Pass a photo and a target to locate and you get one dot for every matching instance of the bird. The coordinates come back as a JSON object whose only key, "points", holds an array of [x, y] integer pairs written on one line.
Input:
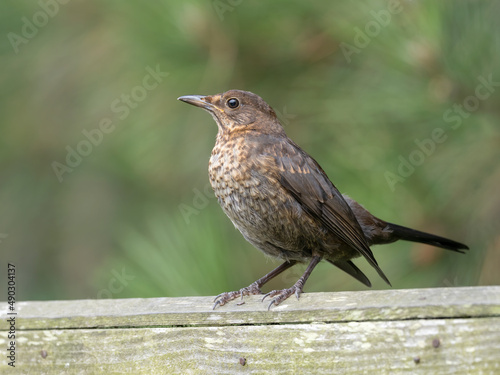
{"points": [[283, 202]]}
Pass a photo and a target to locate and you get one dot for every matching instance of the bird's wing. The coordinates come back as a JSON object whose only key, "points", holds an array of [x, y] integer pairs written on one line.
{"points": [[306, 181]]}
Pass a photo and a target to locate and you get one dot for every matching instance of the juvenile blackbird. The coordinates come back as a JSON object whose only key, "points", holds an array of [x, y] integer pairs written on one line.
{"points": [[282, 201]]}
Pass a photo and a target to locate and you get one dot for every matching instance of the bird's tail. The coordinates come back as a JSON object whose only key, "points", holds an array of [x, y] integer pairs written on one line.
{"points": [[407, 234]]}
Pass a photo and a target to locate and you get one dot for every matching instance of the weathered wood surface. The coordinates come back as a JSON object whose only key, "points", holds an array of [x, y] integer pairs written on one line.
{"points": [[420, 331]]}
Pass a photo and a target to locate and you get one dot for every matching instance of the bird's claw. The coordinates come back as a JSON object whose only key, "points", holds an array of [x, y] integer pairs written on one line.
{"points": [[226, 297], [282, 295]]}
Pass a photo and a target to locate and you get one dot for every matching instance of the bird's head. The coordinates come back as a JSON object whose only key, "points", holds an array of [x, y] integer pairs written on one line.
{"points": [[238, 111]]}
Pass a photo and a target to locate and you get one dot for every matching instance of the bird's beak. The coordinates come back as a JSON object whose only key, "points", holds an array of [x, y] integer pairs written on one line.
{"points": [[198, 101]]}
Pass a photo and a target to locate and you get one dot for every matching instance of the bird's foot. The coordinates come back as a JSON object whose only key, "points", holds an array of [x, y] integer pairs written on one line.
{"points": [[281, 295], [225, 297]]}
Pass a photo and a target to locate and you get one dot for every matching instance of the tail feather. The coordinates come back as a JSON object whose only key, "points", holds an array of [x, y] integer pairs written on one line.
{"points": [[351, 269], [407, 234]]}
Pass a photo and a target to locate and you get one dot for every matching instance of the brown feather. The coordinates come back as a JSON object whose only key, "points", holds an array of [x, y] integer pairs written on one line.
{"points": [[321, 199]]}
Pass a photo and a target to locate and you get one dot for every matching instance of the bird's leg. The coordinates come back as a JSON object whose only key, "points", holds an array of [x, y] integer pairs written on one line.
{"points": [[282, 295], [253, 288]]}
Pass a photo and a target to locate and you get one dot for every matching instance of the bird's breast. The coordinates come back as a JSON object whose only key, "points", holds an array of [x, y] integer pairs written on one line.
{"points": [[246, 183], [238, 178]]}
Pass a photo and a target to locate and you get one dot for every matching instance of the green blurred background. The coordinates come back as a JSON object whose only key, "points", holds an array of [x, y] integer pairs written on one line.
{"points": [[136, 217]]}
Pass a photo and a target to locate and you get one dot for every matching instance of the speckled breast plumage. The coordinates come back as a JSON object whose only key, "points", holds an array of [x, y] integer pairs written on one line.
{"points": [[249, 194]]}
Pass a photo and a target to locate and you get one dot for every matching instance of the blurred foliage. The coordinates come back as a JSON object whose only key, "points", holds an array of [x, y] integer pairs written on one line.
{"points": [[138, 203]]}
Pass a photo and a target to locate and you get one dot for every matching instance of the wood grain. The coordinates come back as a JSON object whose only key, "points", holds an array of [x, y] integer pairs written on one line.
{"points": [[422, 331]]}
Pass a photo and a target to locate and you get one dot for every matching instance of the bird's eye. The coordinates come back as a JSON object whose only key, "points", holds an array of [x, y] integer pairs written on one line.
{"points": [[233, 103]]}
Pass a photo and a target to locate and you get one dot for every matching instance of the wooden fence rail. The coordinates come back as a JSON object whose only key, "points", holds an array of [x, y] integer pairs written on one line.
{"points": [[419, 331]]}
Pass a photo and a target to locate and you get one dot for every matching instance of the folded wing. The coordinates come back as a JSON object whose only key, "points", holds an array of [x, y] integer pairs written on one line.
{"points": [[306, 181]]}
